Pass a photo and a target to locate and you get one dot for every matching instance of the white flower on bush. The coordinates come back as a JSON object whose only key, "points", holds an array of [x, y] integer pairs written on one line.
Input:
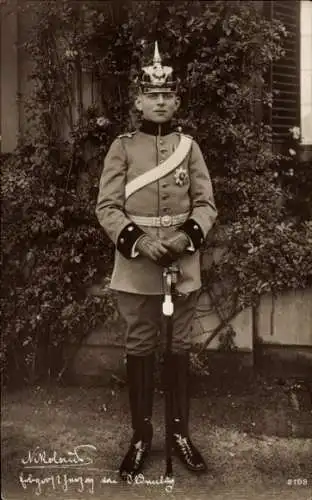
{"points": [[292, 152], [71, 54], [101, 121], [295, 132]]}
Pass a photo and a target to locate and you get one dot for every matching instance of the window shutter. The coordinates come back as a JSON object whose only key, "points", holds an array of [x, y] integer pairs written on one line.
{"points": [[285, 73]]}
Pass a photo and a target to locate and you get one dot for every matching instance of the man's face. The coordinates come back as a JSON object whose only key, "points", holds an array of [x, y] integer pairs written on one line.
{"points": [[158, 107]]}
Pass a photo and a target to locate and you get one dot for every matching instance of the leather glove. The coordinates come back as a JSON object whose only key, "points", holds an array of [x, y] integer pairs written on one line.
{"points": [[151, 248], [176, 244]]}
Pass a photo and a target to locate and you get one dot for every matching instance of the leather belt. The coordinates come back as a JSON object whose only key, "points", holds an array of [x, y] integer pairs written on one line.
{"points": [[163, 221]]}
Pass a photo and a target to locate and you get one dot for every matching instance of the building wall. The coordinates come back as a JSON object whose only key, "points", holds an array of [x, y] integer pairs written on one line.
{"points": [[9, 82], [24, 67], [286, 319]]}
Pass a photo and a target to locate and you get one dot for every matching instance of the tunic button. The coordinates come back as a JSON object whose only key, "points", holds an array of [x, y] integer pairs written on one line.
{"points": [[130, 228], [164, 185], [122, 240], [195, 226], [165, 196]]}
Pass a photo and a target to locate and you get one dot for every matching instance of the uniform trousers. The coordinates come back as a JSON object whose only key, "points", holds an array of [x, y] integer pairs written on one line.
{"points": [[144, 321]]}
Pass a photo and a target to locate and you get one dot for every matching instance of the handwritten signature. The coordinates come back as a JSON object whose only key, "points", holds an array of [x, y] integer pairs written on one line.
{"points": [[39, 458], [79, 456]]}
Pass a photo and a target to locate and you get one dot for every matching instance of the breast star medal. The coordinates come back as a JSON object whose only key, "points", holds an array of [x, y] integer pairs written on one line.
{"points": [[181, 176]]}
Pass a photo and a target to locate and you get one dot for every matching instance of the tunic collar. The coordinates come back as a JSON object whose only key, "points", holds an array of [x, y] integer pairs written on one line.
{"points": [[153, 128]]}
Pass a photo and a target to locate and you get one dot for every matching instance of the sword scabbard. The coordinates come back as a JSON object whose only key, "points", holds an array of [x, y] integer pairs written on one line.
{"points": [[170, 278]]}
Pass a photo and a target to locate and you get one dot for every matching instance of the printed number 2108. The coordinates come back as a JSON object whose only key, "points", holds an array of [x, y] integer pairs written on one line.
{"points": [[297, 482]]}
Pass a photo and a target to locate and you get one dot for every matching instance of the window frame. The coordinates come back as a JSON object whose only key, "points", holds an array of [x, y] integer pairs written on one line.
{"points": [[304, 145]]}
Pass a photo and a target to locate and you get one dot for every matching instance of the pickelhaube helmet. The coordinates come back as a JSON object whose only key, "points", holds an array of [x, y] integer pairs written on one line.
{"points": [[157, 78]]}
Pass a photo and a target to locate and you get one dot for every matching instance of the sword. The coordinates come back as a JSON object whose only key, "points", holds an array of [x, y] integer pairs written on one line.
{"points": [[170, 275]]}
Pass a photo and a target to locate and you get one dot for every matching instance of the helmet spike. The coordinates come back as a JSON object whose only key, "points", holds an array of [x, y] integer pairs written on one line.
{"points": [[157, 58]]}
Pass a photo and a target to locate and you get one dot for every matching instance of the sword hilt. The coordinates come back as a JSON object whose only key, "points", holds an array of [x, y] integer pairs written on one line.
{"points": [[170, 275]]}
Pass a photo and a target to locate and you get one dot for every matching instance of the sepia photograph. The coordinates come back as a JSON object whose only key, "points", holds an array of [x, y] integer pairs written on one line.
{"points": [[156, 241]]}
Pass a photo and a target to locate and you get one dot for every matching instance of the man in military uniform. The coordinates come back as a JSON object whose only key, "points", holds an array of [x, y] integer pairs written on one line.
{"points": [[156, 204]]}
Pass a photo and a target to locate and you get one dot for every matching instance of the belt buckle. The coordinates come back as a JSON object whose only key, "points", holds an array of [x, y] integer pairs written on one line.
{"points": [[166, 220]]}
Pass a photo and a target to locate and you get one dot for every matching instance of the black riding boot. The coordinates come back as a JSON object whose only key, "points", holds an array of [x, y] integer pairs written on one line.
{"points": [[182, 444], [140, 372]]}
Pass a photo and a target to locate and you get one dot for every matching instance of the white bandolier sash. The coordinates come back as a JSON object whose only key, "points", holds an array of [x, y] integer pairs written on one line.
{"points": [[162, 169]]}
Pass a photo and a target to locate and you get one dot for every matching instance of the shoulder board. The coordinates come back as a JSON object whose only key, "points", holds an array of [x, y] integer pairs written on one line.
{"points": [[127, 134], [185, 135], [180, 132]]}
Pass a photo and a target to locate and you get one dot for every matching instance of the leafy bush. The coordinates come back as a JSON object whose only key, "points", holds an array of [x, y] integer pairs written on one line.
{"points": [[54, 249]]}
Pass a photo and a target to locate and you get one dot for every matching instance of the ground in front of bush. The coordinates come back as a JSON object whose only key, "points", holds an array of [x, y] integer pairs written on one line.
{"points": [[256, 440]]}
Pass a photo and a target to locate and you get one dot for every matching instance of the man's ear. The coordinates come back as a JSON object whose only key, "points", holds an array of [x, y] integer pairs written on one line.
{"points": [[138, 103], [177, 102]]}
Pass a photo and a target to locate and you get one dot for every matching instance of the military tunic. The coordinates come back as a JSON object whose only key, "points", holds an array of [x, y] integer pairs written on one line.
{"points": [[185, 190]]}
